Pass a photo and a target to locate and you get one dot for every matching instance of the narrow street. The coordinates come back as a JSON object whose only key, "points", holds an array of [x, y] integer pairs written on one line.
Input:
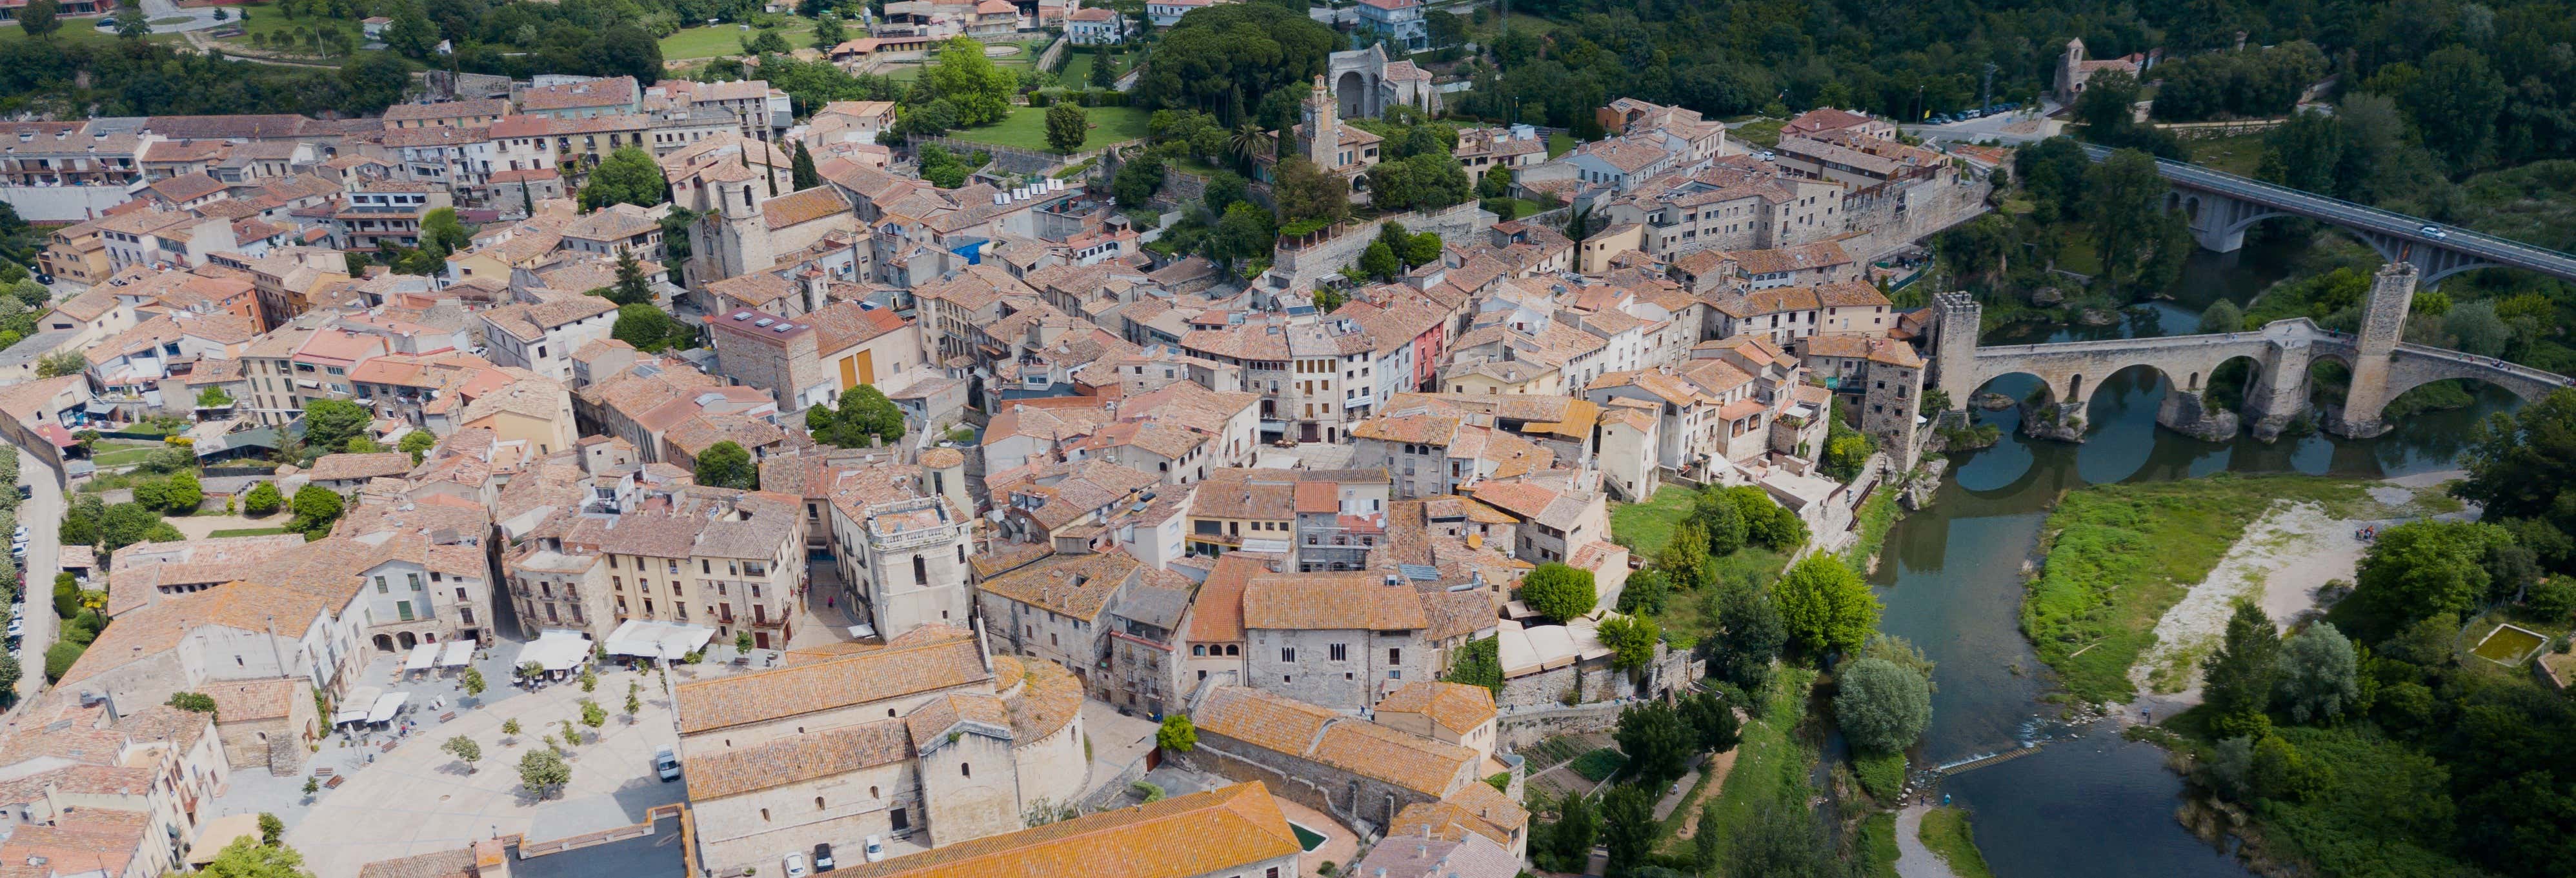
{"points": [[41, 512]]}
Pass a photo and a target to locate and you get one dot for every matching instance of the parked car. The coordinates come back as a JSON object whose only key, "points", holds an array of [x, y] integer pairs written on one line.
{"points": [[875, 849], [822, 857], [666, 764], [796, 867]]}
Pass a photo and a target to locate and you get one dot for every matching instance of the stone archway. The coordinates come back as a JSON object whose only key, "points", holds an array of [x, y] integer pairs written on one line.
{"points": [[384, 643], [1355, 94]]}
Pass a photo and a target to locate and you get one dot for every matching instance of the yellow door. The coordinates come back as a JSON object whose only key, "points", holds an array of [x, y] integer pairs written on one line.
{"points": [[849, 378], [867, 369]]}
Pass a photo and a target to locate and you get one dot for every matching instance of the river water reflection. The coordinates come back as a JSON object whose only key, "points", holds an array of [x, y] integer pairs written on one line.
{"points": [[2090, 803]]}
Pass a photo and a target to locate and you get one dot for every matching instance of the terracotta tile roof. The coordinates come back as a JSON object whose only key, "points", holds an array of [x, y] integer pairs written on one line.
{"points": [[1284, 725], [931, 722], [1271, 722], [244, 700], [1456, 707], [1199, 834], [812, 756], [803, 207], [893, 672], [159, 627], [1331, 601], [1049, 697], [339, 467], [1073, 585]]}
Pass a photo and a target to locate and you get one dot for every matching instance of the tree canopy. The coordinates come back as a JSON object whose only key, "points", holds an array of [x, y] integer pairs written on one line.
{"points": [[628, 176], [727, 465], [1824, 606], [1559, 592], [1882, 706]]}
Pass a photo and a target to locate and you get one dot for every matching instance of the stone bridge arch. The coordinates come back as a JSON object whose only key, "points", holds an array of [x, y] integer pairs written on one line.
{"points": [[2413, 366]]}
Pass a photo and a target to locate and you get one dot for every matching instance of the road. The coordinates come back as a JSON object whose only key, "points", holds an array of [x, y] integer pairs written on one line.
{"points": [[2362, 217], [2006, 127], [40, 512]]}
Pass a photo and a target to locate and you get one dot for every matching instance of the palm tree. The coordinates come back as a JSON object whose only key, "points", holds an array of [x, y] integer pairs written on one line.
{"points": [[1246, 142]]}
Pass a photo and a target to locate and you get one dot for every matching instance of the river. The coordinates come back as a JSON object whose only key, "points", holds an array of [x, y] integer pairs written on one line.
{"points": [[2089, 803]]}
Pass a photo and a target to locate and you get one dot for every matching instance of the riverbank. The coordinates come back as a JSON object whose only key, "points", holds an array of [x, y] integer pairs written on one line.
{"points": [[1770, 762], [2114, 558], [2291, 562]]}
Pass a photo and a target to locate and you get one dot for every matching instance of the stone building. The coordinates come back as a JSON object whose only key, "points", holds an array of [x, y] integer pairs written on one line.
{"points": [[1235, 832], [1054, 608], [1362, 773], [266, 723], [926, 736], [1338, 640]]}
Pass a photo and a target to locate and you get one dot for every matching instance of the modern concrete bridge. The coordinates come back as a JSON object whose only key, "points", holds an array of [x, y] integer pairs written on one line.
{"points": [[2281, 352], [2221, 206]]}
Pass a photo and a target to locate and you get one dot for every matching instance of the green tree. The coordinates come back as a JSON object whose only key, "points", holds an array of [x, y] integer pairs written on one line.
{"points": [[417, 444], [328, 423], [59, 658], [316, 507], [765, 42], [1712, 721], [126, 524], [473, 682], [1066, 126], [828, 33], [246, 858], [1307, 193], [2303, 153], [2238, 678], [1645, 592], [634, 700], [969, 81], [1559, 592], [1824, 605], [411, 33], [1378, 262], [182, 493], [1177, 735], [214, 397], [801, 169], [39, 18], [1881, 706], [649, 328], [1781, 840], [263, 499], [441, 234], [1104, 70], [542, 773], [2424, 568], [61, 363], [2222, 316], [1137, 181], [2319, 676], [632, 287], [1628, 827], [726, 465], [628, 176], [2123, 195], [194, 702], [133, 22], [1658, 743], [1720, 518], [374, 81], [1767, 523], [465, 751], [592, 714], [1631, 640], [1752, 635], [1245, 232], [2456, 101], [1479, 663], [1570, 839], [271, 830]]}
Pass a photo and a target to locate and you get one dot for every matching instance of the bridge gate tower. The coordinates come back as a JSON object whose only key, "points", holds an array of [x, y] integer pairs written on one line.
{"points": [[2383, 326]]}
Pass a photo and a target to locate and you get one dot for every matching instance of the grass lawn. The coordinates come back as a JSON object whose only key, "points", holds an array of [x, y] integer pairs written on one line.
{"points": [[1877, 515], [1644, 527], [247, 532], [265, 19], [1026, 128], [1077, 66], [1945, 831], [2120, 555], [1599, 765], [1770, 761], [120, 452], [716, 41], [1559, 143], [1878, 845], [77, 31], [2235, 155], [1522, 207], [1764, 133]]}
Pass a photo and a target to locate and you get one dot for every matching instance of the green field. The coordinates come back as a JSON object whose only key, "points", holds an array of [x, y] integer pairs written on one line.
{"points": [[1026, 128], [247, 532], [1077, 66], [1599, 765], [1770, 761], [265, 19], [716, 41], [77, 31], [2119, 555], [1559, 143], [1946, 832], [1764, 133], [111, 453], [1878, 845], [2235, 155]]}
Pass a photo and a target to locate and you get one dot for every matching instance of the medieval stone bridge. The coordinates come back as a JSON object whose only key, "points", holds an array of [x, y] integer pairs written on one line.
{"points": [[2222, 206], [2279, 353]]}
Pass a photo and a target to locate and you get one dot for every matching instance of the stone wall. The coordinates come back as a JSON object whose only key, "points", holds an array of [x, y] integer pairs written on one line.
{"points": [[1518, 730], [1299, 269], [1928, 207], [1365, 804]]}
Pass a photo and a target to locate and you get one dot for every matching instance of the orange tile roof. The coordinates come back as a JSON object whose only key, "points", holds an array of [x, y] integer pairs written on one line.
{"points": [[1310, 601], [1199, 834], [893, 672], [1456, 707]]}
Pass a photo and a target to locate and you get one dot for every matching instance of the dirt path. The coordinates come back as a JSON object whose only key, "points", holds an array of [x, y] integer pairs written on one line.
{"points": [[2281, 563], [1717, 769], [1913, 859]]}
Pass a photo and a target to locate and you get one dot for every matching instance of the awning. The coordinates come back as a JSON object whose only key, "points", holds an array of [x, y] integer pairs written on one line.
{"points": [[457, 653], [386, 705], [354, 708], [643, 639], [556, 650], [422, 657], [219, 832]]}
